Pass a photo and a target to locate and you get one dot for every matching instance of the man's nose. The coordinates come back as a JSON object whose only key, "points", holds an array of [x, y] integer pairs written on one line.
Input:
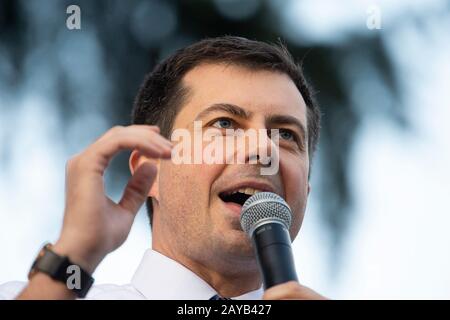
{"points": [[256, 159], [260, 150]]}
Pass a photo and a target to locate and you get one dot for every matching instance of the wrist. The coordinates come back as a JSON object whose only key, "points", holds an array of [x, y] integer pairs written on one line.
{"points": [[85, 259]]}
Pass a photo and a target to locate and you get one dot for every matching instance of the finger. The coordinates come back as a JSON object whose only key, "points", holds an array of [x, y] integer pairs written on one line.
{"points": [[281, 291], [145, 126], [147, 142], [291, 290], [153, 128], [138, 187], [146, 132], [138, 130]]}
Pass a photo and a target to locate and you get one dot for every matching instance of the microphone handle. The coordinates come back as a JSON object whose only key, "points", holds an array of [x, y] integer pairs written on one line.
{"points": [[272, 244]]}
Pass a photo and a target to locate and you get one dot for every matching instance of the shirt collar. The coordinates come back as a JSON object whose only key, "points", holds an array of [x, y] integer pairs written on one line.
{"points": [[160, 278]]}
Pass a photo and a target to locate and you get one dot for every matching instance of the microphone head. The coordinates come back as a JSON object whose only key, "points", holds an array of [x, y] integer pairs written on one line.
{"points": [[262, 208]]}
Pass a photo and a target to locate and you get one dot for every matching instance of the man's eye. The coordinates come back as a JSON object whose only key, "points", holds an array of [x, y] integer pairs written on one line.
{"points": [[286, 135], [223, 123]]}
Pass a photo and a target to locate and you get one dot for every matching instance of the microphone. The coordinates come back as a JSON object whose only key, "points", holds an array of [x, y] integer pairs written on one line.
{"points": [[266, 218]]}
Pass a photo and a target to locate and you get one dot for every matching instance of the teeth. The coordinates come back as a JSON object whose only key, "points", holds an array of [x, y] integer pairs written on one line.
{"points": [[249, 191]]}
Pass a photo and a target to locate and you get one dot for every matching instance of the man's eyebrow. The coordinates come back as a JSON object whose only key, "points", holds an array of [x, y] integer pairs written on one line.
{"points": [[281, 119], [227, 108], [274, 119]]}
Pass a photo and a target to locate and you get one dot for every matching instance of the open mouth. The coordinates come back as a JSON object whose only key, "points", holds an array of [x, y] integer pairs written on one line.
{"points": [[238, 196]]}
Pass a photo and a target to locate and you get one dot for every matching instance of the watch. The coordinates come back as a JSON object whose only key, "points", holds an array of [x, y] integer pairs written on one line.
{"points": [[60, 268]]}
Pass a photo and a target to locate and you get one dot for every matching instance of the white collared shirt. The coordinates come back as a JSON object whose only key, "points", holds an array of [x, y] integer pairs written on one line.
{"points": [[157, 278]]}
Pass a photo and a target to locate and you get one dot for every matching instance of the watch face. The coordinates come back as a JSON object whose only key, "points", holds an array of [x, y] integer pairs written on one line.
{"points": [[56, 266], [41, 253]]}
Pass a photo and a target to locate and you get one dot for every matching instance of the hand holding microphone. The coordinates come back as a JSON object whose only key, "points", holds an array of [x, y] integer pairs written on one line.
{"points": [[266, 218]]}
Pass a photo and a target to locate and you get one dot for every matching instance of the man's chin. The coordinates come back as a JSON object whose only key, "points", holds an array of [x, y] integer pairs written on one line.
{"points": [[237, 243], [232, 239]]}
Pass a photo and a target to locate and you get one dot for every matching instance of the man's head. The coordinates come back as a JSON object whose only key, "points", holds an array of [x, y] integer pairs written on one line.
{"points": [[236, 83]]}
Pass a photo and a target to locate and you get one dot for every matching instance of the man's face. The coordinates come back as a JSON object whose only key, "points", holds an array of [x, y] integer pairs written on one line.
{"points": [[190, 196]]}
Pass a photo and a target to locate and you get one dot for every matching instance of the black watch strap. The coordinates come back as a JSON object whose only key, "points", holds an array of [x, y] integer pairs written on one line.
{"points": [[60, 268]]}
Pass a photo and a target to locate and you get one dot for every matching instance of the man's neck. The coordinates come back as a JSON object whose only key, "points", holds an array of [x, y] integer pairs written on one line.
{"points": [[235, 282]]}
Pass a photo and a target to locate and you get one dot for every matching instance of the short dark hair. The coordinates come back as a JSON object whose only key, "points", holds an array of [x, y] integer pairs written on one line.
{"points": [[162, 94]]}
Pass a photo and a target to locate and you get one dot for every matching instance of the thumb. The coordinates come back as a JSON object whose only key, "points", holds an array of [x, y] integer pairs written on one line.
{"points": [[138, 187]]}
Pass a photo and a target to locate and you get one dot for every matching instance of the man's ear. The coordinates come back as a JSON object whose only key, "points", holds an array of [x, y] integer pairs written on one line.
{"points": [[136, 159]]}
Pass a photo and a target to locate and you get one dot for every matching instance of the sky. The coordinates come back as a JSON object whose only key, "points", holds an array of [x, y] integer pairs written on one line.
{"points": [[397, 245]]}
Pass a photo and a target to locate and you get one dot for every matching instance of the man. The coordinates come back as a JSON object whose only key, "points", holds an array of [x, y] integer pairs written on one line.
{"points": [[199, 250]]}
